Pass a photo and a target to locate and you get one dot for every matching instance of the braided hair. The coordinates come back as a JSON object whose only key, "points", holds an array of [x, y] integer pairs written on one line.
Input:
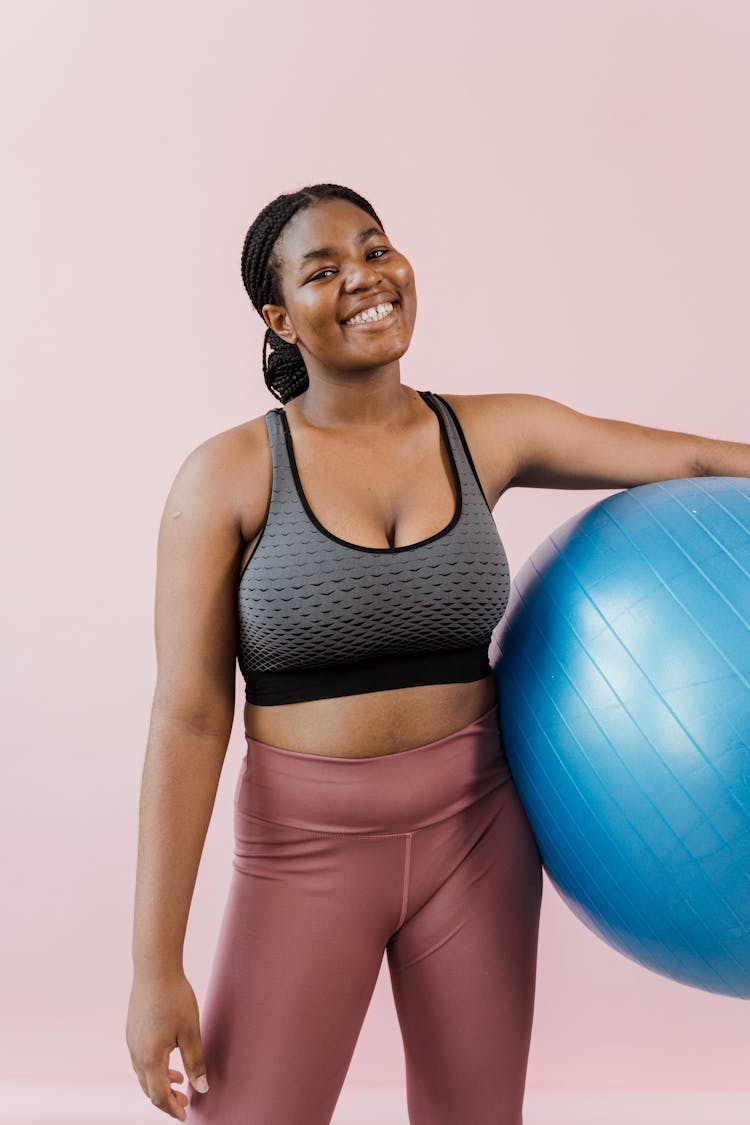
{"points": [[284, 370]]}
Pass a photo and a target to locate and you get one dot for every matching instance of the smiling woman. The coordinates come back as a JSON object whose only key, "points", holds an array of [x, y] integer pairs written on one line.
{"points": [[341, 548], [359, 460], [291, 283]]}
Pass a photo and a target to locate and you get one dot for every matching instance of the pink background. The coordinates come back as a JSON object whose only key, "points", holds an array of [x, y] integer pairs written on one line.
{"points": [[570, 182]]}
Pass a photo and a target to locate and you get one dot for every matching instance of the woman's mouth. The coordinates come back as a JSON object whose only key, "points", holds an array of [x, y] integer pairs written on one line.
{"points": [[375, 315]]}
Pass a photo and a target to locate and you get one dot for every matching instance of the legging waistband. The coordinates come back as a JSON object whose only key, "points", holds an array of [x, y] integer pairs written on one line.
{"points": [[396, 792]]}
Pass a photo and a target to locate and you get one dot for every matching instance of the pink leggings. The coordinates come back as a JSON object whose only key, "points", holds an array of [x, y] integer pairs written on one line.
{"points": [[425, 855]]}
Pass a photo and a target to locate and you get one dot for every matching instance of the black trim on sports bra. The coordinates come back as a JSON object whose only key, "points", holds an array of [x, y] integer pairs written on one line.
{"points": [[464, 443], [381, 550], [410, 669]]}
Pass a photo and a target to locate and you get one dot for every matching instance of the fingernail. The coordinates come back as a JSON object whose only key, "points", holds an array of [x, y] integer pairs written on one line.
{"points": [[201, 1084]]}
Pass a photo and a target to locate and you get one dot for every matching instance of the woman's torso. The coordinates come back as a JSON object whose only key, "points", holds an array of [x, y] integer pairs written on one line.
{"points": [[392, 489]]}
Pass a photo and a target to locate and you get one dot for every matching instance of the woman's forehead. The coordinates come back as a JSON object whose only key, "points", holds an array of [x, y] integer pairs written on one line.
{"points": [[323, 226]]}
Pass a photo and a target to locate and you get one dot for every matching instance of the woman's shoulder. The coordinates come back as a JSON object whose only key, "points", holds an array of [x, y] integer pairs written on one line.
{"points": [[491, 413], [489, 423], [231, 449], [479, 414], [476, 402], [234, 467]]}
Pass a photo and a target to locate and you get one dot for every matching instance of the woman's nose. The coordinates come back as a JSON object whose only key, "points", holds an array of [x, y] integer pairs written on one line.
{"points": [[361, 276]]}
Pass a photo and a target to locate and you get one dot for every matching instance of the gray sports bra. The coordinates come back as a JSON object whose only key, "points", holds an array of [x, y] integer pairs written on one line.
{"points": [[320, 617]]}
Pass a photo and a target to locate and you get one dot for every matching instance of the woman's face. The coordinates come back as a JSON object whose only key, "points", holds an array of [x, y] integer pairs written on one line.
{"points": [[336, 262]]}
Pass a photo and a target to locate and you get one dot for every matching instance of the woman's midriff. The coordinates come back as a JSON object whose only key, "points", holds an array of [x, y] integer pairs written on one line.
{"points": [[374, 723]]}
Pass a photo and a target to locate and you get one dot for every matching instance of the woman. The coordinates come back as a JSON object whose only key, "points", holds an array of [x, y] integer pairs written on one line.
{"points": [[344, 551]]}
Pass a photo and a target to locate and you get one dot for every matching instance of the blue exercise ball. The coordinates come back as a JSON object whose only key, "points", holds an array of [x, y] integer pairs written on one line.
{"points": [[623, 674]]}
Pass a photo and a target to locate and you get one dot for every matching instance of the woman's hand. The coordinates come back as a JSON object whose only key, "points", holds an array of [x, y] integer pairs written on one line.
{"points": [[162, 1015]]}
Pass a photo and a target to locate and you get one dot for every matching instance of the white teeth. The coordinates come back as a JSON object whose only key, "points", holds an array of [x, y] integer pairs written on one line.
{"points": [[376, 313]]}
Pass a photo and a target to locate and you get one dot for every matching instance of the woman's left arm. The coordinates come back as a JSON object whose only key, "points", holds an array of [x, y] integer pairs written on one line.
{"points": [[554, 446]]}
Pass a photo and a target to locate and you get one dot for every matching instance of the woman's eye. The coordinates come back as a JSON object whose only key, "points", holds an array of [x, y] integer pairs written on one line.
{"points": [[377, 250]]}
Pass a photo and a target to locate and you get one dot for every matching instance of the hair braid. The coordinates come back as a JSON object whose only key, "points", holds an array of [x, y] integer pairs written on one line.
{"points": [[284, 369]]}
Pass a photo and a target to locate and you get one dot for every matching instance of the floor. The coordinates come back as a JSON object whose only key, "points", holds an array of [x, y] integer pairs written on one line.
{"points": [[34, 1103]]}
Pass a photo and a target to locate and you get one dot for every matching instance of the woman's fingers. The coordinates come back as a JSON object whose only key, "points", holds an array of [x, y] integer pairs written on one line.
{"points": [[175, 1076], [189, 1042], [160, 1091]]}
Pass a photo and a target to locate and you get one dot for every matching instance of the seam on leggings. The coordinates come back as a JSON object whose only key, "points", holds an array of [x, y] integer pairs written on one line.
{"points": [[314, 832], [407, 870], [371, 835]]}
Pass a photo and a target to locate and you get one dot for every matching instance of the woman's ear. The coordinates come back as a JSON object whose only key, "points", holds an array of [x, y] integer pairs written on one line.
{"points": [[278, 321]]}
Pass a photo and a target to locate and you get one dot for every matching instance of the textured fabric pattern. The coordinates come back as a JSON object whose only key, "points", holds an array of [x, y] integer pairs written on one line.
{"points": [[307, 598]]}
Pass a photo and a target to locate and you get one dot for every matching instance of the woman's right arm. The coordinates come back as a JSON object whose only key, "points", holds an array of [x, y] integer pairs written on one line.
{"points": [[198, 556]]}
